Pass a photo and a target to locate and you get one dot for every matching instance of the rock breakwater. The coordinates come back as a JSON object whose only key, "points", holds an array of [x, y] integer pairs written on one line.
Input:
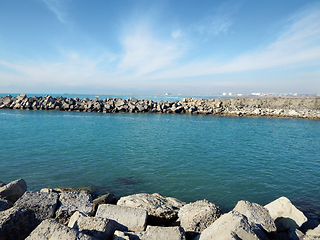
{"points": [[271, 107], [74, 214]]}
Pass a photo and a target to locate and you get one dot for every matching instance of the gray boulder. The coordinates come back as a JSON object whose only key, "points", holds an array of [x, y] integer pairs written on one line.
{"points": [[118, 235], [232, 225], [99, 228], [160, 209], [197, 216], [50, 229], [106, 198], [4, 204], [13, 190], [285, 214], [16, 223], [158, 233], [256, 214], [2, 184], [43, 204], [126, 218], [69, 202], [313, 233]]}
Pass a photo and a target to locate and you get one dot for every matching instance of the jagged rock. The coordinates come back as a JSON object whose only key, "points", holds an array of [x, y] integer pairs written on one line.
{"points": [[126, 218], [4, 204], [197, 216], [73, 201], [17, 223], [158, 233], [160, 209], [256, 214], [118, 235], [43, 204], [106, 198], [2, 184], [13, 190], [313, 233], [285, 214], [50, 229], [99, 228], [232, 225]]}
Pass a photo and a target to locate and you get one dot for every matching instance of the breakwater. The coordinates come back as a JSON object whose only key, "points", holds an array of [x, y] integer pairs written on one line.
{"points": [[271, 107]]}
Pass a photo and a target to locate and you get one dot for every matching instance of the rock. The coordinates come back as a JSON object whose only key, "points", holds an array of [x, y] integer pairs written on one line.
{"points": [[5, 204], [285, 214], [197, 216], [86, 190], [107, 198], [73, 201], [232, 225], [159, 233], [99, 228], [256, 214], [43, 204], [13, 190], [313, 233], [118, 235], [16, 223], [160, 209], [2, 184], [50, 229], [127, 218]]}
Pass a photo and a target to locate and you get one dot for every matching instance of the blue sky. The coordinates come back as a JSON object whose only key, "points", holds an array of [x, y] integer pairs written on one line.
{"points": [[183, 47]]}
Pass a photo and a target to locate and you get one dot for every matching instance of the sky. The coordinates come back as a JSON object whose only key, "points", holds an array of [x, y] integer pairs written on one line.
{"points": [[147, 47]]}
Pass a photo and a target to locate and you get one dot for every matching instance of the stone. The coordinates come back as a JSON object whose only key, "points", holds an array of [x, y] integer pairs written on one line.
{"points": [[13, 190], [160, 233], [232, 225], [17, 223], [285, 214], [197, 216], [51, 229], [106, 198], [256, 214], [118, 235], [42, 204], [314, 232], [126, 218], [73, 201], [99, 228], [5, 204], [2, 184], [160, 209]]}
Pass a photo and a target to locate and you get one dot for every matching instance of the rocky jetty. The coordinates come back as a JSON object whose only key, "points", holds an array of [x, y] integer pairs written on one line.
{"points": [[272, 107], [74, 214]]}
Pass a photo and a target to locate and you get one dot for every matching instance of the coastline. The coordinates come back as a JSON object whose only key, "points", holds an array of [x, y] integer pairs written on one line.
{"points": [[306, 108]]}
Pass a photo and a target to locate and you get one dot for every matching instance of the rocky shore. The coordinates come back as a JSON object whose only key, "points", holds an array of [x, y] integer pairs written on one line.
{"points": [[77, 214], [271, 107]]}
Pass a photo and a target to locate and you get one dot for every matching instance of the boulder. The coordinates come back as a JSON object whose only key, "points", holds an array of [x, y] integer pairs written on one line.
{"points": [[285, 214], [118, 235], [73, 201], [2, 184], [50, 229], [232, 225], [313, 233], [126, 218], [160, 209], [43, 204], [256, 214], [4, 204], [159, 233], [99, 228], [17, 223], [107, 198], [197, 216], [13, 190]]}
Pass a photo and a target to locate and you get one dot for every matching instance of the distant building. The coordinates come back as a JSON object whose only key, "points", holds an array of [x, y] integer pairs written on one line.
{"points": [[230, 94], [239, 94], [224, 94]]}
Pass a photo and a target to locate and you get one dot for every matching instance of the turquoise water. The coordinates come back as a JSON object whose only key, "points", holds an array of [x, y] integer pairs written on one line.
{"points": [[190, 157]]}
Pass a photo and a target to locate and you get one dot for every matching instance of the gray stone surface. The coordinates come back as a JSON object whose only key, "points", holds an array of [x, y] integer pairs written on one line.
{"points": [[159, 233], [43, 204], [232, 225], [106, 198], [126, 218], [197, 216], [2, 184], [285, 214], [17, 223], [99, 228], [13, 190], [256, 214], [118, 235], [4, 204], [50, 229], [160, 209], [73, 201]]}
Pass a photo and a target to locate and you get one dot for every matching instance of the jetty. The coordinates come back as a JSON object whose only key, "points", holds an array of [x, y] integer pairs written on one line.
{"points": [[305, 107]]}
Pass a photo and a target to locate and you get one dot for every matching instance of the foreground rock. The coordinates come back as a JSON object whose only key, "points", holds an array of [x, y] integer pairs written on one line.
{"points": [[161, 210], [14, 190], [273, 107], [285, 214]]}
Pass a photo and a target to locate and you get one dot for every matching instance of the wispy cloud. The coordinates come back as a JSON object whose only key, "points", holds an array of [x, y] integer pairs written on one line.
{"points": [[58, 7]]}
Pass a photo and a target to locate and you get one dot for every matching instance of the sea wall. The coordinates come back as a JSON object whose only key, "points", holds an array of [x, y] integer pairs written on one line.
{"points": [[273, 107], [65, 213]]}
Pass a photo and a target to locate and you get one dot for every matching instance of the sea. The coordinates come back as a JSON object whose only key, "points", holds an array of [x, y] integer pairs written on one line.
{"points": [[189, 157]]}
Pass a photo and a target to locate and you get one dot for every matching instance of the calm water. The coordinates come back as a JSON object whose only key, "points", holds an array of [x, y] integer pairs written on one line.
{"points": [[222, 159]]}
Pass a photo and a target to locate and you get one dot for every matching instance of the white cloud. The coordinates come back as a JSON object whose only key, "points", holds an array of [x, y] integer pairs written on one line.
{"points": [[58, 7], [176, 34]]}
